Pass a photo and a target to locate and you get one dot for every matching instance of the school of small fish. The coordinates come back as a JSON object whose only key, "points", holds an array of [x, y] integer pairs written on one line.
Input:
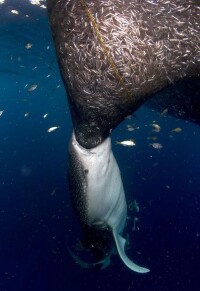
{"points": [[39, 3], [155, 128]]}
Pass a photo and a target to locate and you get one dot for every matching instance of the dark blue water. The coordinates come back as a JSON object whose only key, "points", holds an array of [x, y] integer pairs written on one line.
{"points": [[37, 222]]}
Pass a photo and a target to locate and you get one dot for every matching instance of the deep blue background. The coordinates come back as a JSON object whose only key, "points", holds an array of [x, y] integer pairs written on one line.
{"points": [[37, 222]]}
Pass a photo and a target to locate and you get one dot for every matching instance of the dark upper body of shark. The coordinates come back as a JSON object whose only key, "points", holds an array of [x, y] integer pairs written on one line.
{"points": [[120, 53], [113, 56]]}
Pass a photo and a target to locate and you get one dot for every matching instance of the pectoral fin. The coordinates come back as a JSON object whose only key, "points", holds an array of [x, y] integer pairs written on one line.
{"points": [[120, 244], [104, 263]]}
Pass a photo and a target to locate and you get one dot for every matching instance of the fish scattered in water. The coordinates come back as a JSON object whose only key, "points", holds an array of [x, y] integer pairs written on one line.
{"points": [[155, 164], [53, 192], [156, 127], [53, 128], [164, 112], [135, 227], [131, 127], [152, 138], [38, 3], [156, 145], [177, 129], [32, 87], [128, 143], [14, 11], [28, 45], [34, 68], [26, 114], [1, 112], [134, 206], [45, 115]]}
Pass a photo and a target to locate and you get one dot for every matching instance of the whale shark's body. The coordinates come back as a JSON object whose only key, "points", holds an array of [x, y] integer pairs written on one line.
{"points": [[98, 193], [113, 56]]}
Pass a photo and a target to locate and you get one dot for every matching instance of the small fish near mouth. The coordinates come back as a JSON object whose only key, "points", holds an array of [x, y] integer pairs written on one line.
{"points": [[128, 143]]}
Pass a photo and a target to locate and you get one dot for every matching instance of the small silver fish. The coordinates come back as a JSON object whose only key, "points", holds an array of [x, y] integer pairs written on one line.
{"points": [[156, 145], [164, 112], [52, 128], [32, 87], [14, 11], [130, 129], [156, 127], [45, 115], [28, 45], [177, 129], [126, 142]]}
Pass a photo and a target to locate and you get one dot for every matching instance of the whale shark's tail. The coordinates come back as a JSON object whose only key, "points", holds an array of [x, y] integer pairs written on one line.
{"points": [[120, 244]]}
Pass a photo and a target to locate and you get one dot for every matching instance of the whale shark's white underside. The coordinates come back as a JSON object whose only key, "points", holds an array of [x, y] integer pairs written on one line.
{"points": [[105, 203]]}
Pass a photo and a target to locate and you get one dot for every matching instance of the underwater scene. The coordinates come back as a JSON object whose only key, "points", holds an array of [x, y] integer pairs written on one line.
{"points": [[158, 154]]}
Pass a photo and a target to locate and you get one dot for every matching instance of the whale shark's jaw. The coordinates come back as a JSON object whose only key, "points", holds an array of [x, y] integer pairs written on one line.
{"points": [[98, 193]]}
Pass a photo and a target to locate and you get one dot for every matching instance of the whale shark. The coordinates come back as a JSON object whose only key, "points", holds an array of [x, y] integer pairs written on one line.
{"points": [[114, 56]]}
